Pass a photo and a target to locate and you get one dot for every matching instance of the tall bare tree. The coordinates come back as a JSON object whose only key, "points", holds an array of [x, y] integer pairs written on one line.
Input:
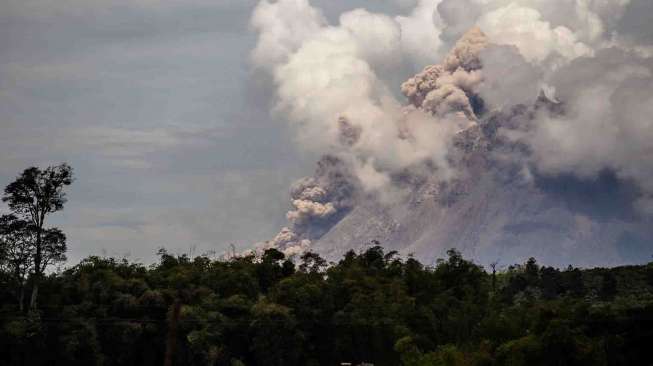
{"points": [[494, 265], [33, 196]]}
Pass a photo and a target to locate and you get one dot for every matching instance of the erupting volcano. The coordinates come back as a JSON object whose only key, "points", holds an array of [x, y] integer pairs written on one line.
{"points": [[491, 151]]}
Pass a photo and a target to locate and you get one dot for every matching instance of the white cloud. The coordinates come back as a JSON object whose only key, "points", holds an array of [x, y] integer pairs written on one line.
{"points": [[420, 33], [535, 38], [283, 26]]}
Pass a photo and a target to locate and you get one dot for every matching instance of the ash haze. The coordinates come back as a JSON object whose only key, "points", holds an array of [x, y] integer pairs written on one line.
{"points": [[188, 121]]}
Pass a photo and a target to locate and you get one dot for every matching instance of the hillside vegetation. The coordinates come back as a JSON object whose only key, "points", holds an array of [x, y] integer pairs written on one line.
{"points": [[369, 307]]}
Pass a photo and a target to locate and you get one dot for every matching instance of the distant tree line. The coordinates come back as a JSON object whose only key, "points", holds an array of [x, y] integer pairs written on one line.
{"points": [[371, 306]]}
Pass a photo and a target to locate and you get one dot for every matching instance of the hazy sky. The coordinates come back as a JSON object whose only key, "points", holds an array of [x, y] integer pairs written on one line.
{"points": [[153, 104]]}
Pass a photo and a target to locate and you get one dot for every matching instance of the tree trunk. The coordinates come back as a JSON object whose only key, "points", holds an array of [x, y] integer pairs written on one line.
{"points": [[38, 256], [35, 292], [21, 297], [171, 343], [20, 284]]}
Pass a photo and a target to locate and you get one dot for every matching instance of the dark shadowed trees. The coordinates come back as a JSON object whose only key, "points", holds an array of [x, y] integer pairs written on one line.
{"points": [[16, 254], [608, 286], [32, 197], [369, 307]]}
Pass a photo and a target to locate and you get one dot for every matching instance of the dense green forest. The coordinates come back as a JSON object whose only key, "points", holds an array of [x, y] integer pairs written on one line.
{"points": [[369, 307]]}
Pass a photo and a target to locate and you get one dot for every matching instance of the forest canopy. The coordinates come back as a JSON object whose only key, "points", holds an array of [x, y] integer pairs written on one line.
{"points": [[371, 306]]}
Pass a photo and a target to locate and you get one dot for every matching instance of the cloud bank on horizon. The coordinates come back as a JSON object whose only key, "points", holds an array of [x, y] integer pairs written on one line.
{"points": [[334, 83]]}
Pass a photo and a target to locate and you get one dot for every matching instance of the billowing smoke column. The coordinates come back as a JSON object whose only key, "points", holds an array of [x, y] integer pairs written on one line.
{"points": [[332, 86], [318, 202], [445, 88], [439, 94], [321, 197], [309, 201]]}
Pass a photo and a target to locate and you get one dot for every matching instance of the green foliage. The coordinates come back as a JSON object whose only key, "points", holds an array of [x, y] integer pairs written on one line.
{"points": [[26, 245], [369, 307]]}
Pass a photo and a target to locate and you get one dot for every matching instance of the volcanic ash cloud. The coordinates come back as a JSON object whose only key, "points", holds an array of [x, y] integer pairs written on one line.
{"points": [[333, 84]]}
